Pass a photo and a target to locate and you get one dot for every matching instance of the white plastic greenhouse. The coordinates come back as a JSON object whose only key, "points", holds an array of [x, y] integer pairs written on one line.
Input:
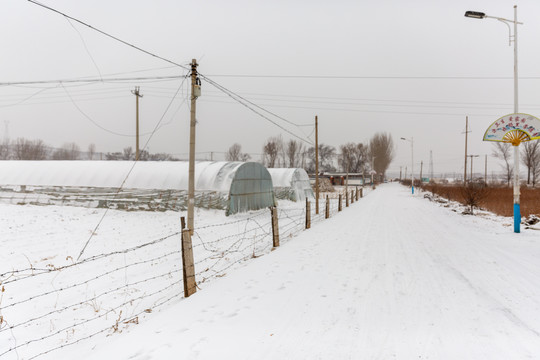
{"points": [[291, 184], [146, 185]]}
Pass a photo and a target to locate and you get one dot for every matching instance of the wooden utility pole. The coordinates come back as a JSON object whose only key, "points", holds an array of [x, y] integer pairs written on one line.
{"points": [[191, 181], [421, 168], [465, 167], [188, 264], [137, 96], [400, 173], [316, 165]]}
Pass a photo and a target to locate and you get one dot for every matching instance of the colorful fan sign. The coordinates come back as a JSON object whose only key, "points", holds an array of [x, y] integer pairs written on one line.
{"points": [[514, 129]]}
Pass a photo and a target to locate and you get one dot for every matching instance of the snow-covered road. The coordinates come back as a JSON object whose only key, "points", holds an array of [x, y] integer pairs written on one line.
{"points": [[392, 277]]}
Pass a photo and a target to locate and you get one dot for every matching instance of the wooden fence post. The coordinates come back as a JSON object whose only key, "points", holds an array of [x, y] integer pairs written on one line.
{"points": [[362, 192], [352, 196], [327, 213], [188, 266], [346, 199], [357, 193], [339, 203], [275, 228], [308, 214]]}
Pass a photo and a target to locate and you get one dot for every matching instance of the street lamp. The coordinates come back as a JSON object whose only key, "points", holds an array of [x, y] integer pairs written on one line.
{"points": [[411, 140], [511, 38]]}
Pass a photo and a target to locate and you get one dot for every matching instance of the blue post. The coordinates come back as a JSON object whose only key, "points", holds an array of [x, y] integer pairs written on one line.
{"points": [[412, 187], [517, 218]]}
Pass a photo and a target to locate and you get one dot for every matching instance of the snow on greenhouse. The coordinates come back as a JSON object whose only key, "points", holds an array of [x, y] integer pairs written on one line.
{"points": [[145, 185], [291, 184]]}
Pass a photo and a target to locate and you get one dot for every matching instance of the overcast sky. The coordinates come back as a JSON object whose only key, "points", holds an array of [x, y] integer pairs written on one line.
{"points": [[305, 58]]}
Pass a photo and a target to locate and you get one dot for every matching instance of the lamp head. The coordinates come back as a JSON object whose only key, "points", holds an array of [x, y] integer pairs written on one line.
{"points": [[475, 14]]}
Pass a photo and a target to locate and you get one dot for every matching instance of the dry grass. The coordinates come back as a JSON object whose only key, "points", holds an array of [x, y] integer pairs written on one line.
{"points": [[498, 200]]}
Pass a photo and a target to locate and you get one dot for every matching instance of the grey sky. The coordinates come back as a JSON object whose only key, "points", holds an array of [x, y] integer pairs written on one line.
{"points": [[387, 38]]}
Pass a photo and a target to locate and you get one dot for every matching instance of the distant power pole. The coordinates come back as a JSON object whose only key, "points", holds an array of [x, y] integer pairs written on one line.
{"points": [[485, 171], [465, 167], [472, 156], [430, 164], [137, 96], [421, 168], [316, 165], [400, 173]]}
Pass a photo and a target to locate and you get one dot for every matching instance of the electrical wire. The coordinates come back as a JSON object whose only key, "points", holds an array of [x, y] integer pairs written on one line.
{"points": [[108, 35]]}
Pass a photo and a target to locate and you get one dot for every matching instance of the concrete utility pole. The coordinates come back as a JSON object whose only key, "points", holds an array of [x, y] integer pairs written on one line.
{"points": [[137, 96], [485, 173], [472, 156], [316, 165], [195, 92], [465, 167]]}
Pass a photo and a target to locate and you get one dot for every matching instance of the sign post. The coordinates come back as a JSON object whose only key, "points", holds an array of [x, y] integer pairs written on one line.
{"points": [[514, 129]]}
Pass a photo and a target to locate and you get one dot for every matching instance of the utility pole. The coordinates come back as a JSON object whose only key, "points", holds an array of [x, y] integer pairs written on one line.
{"points": [[421, 168], [465, 167], [316, 165], [405, 173], [472, 156], [137, 96], [485, 172], [430, 164], [195, 93], [400, 173]]}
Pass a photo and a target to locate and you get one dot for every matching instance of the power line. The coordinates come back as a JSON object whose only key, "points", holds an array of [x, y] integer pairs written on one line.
{"points": [[108, 35], [375, 77], [248, 104], [91, 80]]}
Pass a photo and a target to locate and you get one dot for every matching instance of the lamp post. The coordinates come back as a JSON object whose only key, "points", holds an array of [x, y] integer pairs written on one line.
{"points": [[411, 140], [511, 38]]}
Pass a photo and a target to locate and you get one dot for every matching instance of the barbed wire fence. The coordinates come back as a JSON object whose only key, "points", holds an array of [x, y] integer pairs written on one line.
{"points": [[45, 309]]}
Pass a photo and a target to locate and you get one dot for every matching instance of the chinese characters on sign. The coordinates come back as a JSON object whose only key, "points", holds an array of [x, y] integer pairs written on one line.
{"points": [[528, 124]]}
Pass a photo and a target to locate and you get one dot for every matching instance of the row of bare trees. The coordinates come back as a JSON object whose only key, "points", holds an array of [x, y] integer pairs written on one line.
{"points": [[25, 149], [352, 157]]}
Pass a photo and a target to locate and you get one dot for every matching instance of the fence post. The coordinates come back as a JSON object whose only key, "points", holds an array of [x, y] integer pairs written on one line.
{"points": [[339, 203], [346, 199], [327, 212], [188, 266], [275, 228], [308, 214], [352, 196], [362, 192], [357, 193]]}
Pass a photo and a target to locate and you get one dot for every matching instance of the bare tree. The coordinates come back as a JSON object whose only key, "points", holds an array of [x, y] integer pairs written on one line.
{"points": [[69, 151], [235, 153], [530, 156], [502, 151], [381, 146], [271, 151], [128, 154], [327, 153], [24, 149], [91, 151], [473, 194], [294, 151], [5, 150], [353, 157]]}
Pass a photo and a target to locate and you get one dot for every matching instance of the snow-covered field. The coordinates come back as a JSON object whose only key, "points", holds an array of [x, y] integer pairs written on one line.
{"points": [[130, 268], [394, 276]]}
